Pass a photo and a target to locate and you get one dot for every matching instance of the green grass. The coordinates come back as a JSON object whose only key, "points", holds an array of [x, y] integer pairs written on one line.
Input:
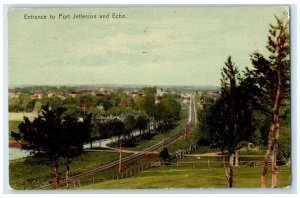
{"points": [[13, 126], [19, 116], [29, 173], [188, 177], [14, 119], [182, 143]]}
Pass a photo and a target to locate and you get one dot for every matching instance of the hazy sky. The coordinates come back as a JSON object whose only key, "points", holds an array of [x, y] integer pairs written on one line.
{"points": [[151, 46]]}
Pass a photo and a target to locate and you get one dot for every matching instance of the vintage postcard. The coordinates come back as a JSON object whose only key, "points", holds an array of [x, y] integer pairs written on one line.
{"points": [[153, 97]]}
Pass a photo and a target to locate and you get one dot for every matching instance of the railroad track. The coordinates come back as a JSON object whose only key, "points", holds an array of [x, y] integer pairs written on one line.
{"points": [[131, 157]]}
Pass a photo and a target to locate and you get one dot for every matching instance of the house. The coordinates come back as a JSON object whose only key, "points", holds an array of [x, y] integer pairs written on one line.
{"points": [[37, 95], [58, 94], [74, 94]]}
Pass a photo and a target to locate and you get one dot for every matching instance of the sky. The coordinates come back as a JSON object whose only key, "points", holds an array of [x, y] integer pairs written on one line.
{"points": [[184, 46]]}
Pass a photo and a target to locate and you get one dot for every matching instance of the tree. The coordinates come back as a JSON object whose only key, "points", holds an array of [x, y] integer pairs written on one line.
{"points": [[22, 103], [164, 154], [146, 103], [166, 111], [203, 126], [41, 136], [228, 120], [75, 134], [171, 109], [130, 124], [116, 127], [273, 80], [142, 123], [54, 136]]}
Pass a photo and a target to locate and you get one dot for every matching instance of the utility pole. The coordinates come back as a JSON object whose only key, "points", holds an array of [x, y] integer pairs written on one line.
{"points": [[185, 130], [120, 158]]}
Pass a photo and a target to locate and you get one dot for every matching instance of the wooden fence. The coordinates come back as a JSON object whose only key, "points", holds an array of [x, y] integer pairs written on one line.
{"points": [[129, 172]]}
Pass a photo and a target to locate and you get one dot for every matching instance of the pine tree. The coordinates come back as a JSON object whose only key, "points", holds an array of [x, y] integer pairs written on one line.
{"points": [[229, 119], [54, 136], [273, 79]]}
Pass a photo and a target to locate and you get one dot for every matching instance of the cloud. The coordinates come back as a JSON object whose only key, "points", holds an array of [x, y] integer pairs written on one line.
{"points": [[151, 46]]}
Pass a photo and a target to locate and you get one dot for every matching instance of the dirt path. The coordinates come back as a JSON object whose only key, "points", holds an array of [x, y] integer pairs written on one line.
{"points": [[213, 154]]}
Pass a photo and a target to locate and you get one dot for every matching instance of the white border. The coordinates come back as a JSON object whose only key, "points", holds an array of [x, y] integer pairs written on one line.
{"points": [[62, 3]]}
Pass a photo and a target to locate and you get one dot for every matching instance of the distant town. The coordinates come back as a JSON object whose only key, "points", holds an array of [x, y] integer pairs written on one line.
{"points": [[41, 93]]}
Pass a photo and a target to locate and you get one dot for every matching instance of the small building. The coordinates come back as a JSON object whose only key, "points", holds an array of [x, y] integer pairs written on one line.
{"points": [[37, 95], [74, 94]]}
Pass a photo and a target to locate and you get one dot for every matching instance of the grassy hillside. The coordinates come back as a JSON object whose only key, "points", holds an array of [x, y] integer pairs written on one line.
{"points": [[188, 177], [29, 173]]}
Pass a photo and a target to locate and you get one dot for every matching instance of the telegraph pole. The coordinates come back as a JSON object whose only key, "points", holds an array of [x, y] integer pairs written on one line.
{"points": [[120, 158], [185, 130]]}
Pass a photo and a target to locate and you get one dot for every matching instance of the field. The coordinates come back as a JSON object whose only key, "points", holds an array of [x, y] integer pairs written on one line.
{"points": [[187, 177], [187, 172], [29, 173], [14, 119], [19, 116]]}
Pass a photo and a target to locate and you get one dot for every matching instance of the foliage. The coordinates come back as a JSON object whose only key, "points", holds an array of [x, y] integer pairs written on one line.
{"points": [[164, 154], [129, 124], [273, 81], [142, 123], [53, 135], [111, 128], [23, 103], [228, 120], [166, 112]]}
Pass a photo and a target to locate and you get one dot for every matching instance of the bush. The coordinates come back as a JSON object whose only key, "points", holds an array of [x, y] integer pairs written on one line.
{"points": [[147, 136], [164, 154]]}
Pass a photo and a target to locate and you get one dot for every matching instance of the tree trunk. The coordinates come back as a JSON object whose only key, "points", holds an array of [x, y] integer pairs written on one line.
{"points": [[68, 174], [236, 158], [225, 166], [265, 169], [230, 179], [56, 173], [275, 148], [274, 127], [91, 144]]}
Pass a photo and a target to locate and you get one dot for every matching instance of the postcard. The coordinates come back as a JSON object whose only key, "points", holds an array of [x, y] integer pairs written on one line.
{"points": [[149, 97]]}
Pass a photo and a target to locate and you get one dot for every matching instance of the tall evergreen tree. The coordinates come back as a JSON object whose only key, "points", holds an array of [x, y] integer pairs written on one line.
{"points": [[75, 134], [273, 79], [229, 120], [53, 136]]}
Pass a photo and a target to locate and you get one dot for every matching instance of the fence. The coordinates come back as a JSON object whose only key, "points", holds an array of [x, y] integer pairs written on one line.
{"points": [[213, 162], [181, 152], [135, 168], [128, 172]]}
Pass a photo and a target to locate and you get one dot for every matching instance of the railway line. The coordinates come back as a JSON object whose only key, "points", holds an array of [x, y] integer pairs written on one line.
{"points": [[181, 132]]}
